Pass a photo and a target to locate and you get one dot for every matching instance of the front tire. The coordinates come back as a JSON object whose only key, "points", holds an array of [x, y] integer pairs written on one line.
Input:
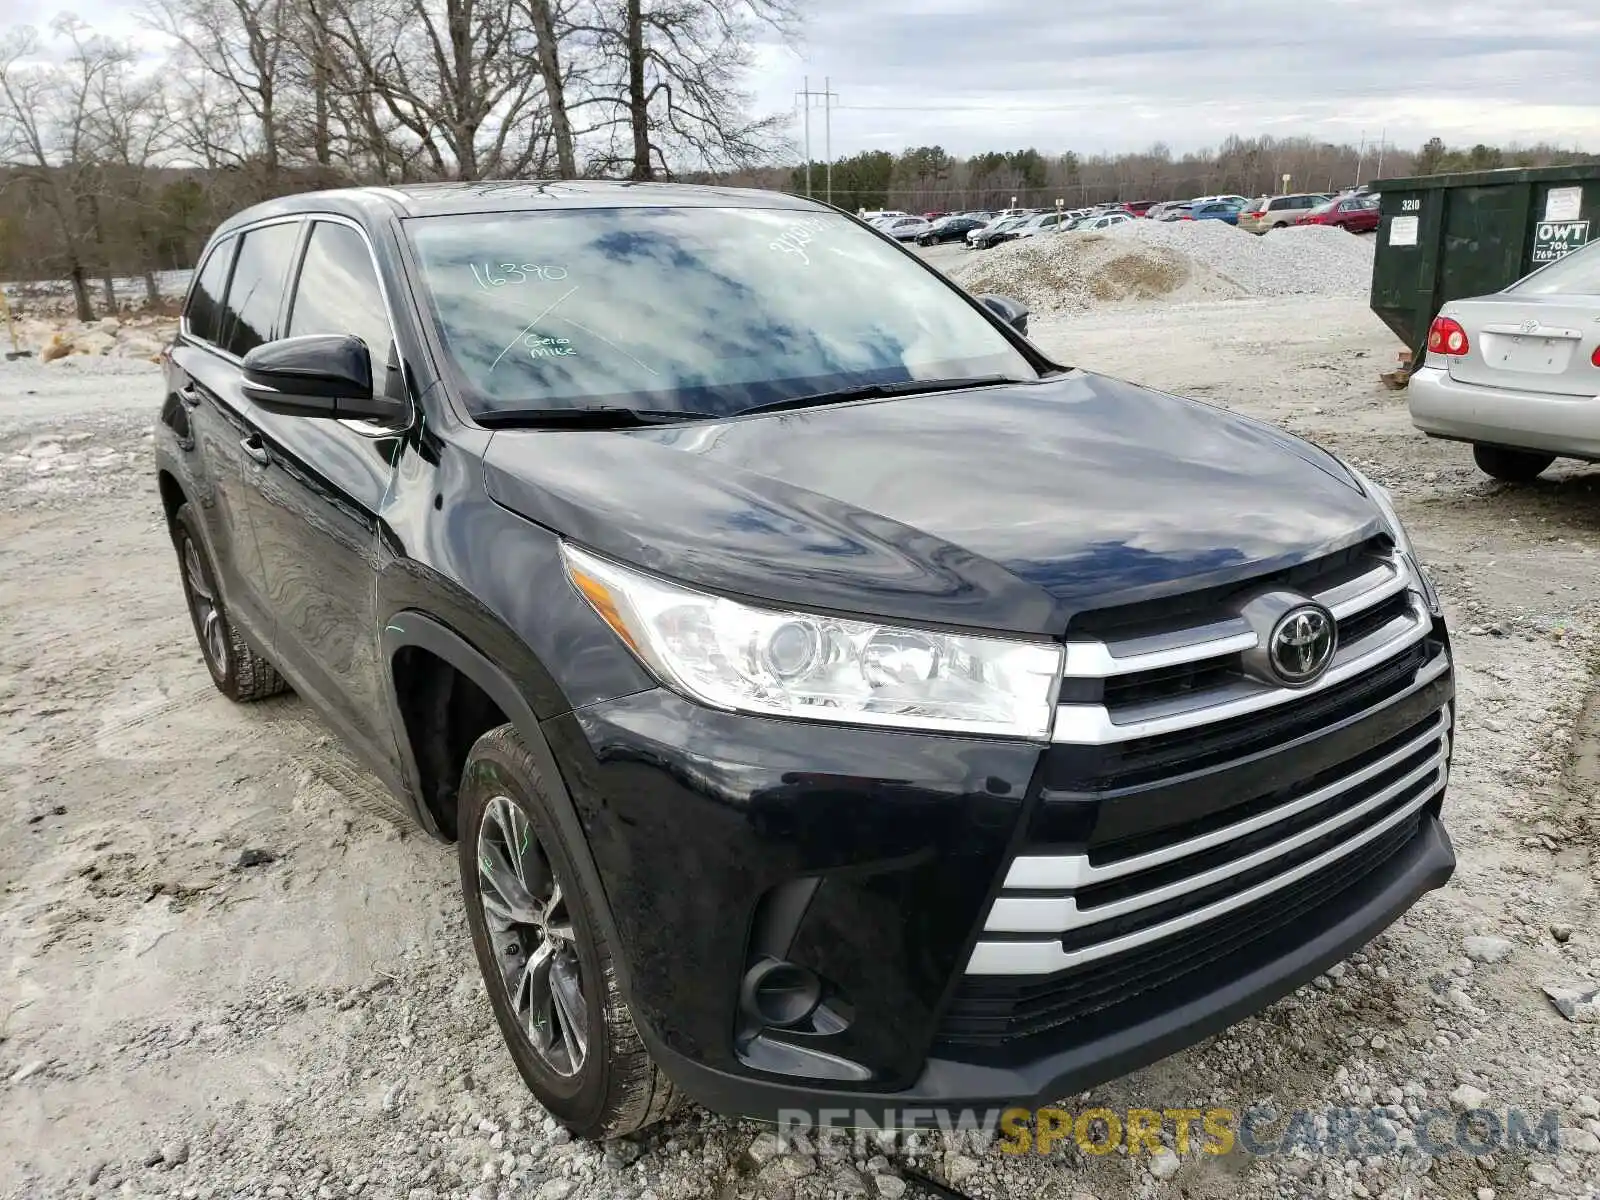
{"points": [[1513, 466], [544, 959], [241, 674]]}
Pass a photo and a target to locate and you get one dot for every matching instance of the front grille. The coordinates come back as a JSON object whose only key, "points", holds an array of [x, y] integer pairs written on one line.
{"points": [[1335, 773], [1144, 759], [991, 1011]]}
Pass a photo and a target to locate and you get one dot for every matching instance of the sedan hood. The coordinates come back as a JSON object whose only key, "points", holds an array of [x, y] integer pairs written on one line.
{"points": [[1007, 508]]}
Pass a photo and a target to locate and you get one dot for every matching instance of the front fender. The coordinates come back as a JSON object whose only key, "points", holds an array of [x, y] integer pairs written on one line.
{"points": [[411, 628]]}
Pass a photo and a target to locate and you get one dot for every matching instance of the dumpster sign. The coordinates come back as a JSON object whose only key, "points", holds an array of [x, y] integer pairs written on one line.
{"points": [[1557, 239]]}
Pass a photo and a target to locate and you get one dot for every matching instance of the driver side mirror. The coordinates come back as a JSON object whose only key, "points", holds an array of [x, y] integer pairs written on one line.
{"points": [[1013, 312], [318, 375]]}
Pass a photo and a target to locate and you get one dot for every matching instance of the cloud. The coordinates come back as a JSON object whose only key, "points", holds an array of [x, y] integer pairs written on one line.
{"points": [[1120, 74], [1110, 75]]}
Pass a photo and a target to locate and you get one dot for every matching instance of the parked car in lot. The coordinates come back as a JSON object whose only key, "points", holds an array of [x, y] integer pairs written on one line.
{"points": [[1517, 372], [1139, 208], [1226, 211], [1103, 221], [995, 231], [1278, 212], [949, 229], [904, 229], [833, 700], [1041, 223], [1357, 214]]}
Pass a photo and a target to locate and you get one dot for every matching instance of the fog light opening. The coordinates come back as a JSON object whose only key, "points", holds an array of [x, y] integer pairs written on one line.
{"points": [[780, 994]]}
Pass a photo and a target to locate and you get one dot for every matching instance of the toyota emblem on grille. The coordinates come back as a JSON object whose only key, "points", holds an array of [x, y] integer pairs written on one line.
{"points": [[1302, 644]]}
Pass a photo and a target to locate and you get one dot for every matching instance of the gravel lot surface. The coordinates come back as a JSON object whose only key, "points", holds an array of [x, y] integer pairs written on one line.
{"points": [[220, 977]]}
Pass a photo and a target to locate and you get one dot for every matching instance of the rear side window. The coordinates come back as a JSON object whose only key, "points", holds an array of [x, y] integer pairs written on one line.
{"points": [[203, 314], [338, 290], [256, 290]]}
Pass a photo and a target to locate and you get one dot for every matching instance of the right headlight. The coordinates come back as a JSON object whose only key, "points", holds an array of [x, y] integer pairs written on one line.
{"points": [[743, 658]]}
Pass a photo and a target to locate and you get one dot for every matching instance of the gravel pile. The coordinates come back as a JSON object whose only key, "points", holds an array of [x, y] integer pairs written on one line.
{"points": [[1302, 260], [1173, 262]]}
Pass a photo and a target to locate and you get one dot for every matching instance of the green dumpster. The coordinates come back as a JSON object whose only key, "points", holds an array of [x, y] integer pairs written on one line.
{"points": [[1442, 237]]}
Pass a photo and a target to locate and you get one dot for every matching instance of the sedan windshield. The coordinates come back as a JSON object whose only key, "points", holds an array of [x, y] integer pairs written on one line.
{"points": [[692, 310]]}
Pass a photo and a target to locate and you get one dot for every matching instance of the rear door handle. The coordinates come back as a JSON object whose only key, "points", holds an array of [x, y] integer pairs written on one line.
{"points": [[254, 447]]}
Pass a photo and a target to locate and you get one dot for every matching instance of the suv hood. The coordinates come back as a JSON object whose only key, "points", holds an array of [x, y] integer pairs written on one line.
{"points": [[1007, 508]]}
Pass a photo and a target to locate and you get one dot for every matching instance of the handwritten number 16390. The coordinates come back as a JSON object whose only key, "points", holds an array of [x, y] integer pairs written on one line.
{"points": [[498, 275]]}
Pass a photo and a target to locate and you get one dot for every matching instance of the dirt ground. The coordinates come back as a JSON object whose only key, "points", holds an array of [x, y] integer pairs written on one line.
{"points": [[175, 1023]]}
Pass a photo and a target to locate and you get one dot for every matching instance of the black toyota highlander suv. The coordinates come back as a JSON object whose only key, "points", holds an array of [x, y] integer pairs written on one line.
{"points": [[836, 702]]}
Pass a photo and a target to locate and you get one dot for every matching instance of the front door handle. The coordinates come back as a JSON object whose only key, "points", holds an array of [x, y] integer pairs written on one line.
{"points": [[254, 447]]}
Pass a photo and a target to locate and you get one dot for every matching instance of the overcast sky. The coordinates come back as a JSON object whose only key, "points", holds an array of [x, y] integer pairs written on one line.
{"points": [[1092, 75]]}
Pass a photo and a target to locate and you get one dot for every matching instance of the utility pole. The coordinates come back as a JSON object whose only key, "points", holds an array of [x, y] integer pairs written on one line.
{"points": [[827, 97], [1361, 157], [1383, 137], [805, 99], [827, 131]]}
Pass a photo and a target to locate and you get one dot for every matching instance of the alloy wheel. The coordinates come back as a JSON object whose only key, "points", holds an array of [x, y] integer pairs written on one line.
{"points": [[530, 927], [203, 601]]}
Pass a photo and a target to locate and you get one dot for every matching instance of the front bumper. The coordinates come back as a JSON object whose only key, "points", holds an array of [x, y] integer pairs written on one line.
{"points": [[1294, 958], [1469, 412], [873, 858]]}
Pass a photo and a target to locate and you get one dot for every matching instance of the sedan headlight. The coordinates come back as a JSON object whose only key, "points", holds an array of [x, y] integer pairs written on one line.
{"points": [[1402, 540], [792, 664]]}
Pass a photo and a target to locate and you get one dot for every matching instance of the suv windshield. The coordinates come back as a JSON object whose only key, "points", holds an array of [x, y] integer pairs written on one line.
{"points": [[695, 310]]}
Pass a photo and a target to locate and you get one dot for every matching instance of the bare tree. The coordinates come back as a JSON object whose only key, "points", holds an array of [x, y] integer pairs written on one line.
{"points": [[127, 125], [674, 68], [459, 79], [244, 44], [547, 34], [47, 139]]}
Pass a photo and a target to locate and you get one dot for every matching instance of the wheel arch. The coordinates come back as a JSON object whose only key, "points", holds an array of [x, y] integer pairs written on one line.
{"points": [[413, 629], [173, 496]]}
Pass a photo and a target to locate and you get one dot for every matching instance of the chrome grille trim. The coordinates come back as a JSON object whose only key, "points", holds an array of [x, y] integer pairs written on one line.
{"points": [[1089, 659], [1361, 593], [1098, 660], [1092, 724], [1061, 914], [1071, 871], [1046, 957]]}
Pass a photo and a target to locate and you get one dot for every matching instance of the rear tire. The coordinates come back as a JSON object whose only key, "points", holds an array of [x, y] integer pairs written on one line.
{"points": [[1513, 466], [241, 674], [548, 970]]}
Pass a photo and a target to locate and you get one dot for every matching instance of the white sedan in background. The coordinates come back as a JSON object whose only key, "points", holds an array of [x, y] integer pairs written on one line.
{"points": [[1517, 373], [1104, 222], [904, 229]]}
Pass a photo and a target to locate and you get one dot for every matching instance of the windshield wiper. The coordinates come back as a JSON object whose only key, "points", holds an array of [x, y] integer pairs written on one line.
{"points": [[602, 417], [873, 391]]}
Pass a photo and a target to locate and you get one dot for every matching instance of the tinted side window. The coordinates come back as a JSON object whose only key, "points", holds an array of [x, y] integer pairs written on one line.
{"points": [[262, 268], [338, 290], [204, 310]]}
